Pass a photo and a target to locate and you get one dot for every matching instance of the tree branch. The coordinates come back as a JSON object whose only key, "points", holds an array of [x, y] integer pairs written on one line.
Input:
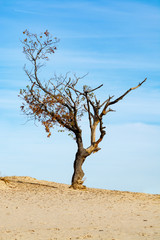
{"points": [[89, 91], [89, 111], [121, 97]]}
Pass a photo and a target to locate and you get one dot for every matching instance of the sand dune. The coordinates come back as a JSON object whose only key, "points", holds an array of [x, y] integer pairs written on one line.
{"points": [[41, 210]]}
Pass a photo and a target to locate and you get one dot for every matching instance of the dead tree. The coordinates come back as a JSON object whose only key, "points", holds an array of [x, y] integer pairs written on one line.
{"points": [[59, 101]]}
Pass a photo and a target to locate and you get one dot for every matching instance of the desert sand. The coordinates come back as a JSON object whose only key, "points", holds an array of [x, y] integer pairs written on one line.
{"points": [[31, 209]]}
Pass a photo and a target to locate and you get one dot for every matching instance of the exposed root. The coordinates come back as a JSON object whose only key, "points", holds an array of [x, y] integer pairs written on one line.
{"points": [[4, 179], [79, 185]]}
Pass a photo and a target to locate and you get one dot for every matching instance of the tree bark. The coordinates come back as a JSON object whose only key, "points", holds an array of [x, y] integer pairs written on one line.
{"points": [[77, 178]]}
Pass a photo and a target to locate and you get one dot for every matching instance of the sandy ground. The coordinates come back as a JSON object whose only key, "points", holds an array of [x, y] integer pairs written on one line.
{"points": [[41, 210]]}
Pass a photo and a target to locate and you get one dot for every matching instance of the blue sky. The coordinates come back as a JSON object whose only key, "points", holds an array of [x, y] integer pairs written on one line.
{"points": [[118, 44]]}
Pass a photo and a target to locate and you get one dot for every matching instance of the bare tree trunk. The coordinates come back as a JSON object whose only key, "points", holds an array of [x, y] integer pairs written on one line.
{"points": [[77, 178]]}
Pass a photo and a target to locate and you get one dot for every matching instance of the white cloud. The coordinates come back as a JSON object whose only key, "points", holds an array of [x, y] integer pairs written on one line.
{"points": [[11, 57], [104, 61], [9, 99], [115, 7]]}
